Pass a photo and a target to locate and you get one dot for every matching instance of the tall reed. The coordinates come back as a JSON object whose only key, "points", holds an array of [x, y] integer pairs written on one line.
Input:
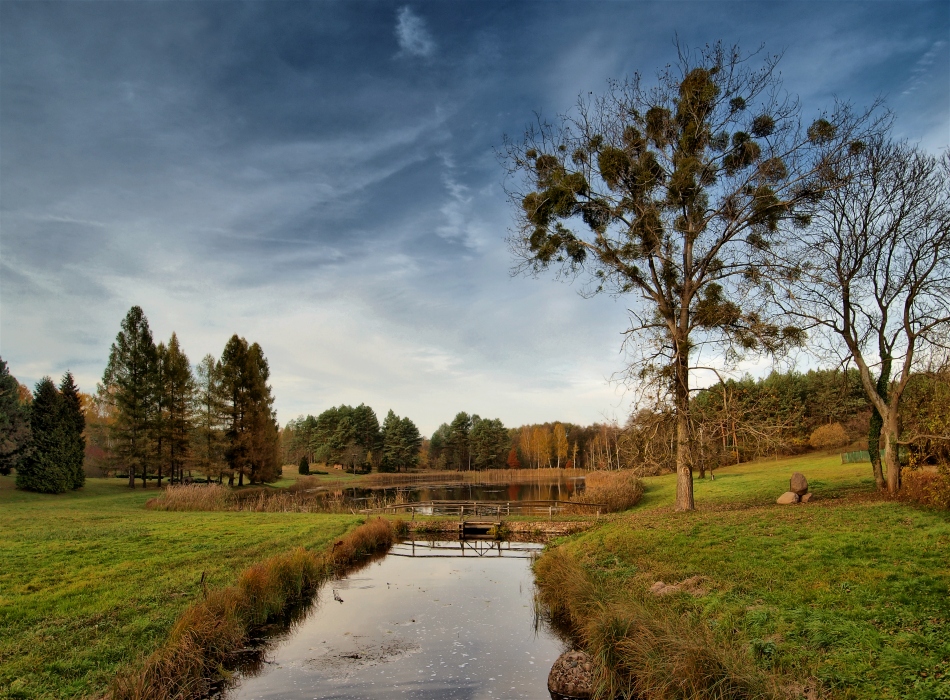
{"points": [[617, 490], [211, 630]]}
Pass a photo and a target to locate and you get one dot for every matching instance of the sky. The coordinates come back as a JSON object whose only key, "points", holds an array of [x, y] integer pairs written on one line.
{"points": [[322, 178]]}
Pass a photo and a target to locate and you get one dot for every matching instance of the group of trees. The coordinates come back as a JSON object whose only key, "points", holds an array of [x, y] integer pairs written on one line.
{"points": [[352, 437], [469, 442], [41, 436], [735, 227], [162, 419]]}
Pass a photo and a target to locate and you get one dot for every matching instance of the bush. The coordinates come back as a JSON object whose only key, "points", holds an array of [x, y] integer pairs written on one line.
{"points": [[930, 487], [829, 437], [619, 490], [304, 467]]}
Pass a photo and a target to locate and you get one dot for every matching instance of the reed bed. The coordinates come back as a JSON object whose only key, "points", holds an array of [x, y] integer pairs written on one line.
{"points": [[198, 497], [190, 662], [640, 649], [617, 490]]}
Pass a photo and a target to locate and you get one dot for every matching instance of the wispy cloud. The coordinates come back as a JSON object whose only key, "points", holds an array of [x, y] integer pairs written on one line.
{"points": [[413, 35], [918, 74]]}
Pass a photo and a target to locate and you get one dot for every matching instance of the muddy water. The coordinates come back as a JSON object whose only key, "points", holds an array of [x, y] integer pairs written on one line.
{"points": [[445, 620]]}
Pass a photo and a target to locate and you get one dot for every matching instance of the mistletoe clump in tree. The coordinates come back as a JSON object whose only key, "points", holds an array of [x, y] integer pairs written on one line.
{"points": [[669, 194]]}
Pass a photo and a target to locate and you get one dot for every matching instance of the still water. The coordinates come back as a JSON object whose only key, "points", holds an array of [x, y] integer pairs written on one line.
{"points": [[530, 491], [447, 620]]}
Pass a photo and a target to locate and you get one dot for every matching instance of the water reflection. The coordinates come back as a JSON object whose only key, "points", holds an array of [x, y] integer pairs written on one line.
{"points": [[430, 620], [534, 491]]}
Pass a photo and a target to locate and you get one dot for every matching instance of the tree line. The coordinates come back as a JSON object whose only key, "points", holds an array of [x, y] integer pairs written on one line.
{"points": [[353, 438], [156, 417], [41, 434]]}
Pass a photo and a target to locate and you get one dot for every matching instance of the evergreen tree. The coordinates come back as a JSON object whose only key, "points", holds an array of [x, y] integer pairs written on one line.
{"points": [[46, 468], [457, 445], [304, 467], [128, 386], [179, 393], [489, 443], [75, 424], [400, 444], [14, 421]]}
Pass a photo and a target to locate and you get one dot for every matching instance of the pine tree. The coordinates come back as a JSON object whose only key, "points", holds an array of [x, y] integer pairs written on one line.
{"points": [[304, 467], [46, 468], [14, 421], [128, 385], [74, 424]]}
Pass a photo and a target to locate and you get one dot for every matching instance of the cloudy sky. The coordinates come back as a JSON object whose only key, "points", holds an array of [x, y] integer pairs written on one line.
{"points": [[320, 177]]}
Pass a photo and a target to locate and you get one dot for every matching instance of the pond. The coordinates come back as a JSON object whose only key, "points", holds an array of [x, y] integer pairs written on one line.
{"points": [[447, 620], [527, 491]]}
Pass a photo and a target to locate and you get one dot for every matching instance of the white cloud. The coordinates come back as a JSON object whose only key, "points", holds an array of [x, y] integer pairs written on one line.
{"points": [[413, 36]]}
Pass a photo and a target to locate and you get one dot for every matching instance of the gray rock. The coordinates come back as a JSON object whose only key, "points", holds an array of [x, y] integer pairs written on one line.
{"points": [[787, 498], [798, 484], [572, 676]]}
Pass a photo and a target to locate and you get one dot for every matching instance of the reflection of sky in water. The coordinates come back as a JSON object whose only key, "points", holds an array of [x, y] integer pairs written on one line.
{"points": [[434, 625]]}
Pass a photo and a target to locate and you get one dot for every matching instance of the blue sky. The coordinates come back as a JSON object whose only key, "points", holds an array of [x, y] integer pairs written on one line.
{"points": [[320, 177]]}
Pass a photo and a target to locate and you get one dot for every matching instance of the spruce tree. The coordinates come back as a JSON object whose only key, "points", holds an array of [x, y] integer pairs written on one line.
{"points": [[74, 420], [209, 418], [14, 421], [46, 468]]}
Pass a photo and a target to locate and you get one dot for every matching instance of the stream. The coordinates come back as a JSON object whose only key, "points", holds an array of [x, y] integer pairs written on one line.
{"points": [[449, 620]]}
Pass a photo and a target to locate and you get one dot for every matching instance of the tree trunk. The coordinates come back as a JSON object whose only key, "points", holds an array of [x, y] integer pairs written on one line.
{"points": [[874, 429], [684, 473], [892, 452], [131, 476]]}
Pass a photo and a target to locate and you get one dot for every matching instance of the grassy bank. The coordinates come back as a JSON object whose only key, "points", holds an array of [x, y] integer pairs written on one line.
{"points": [[846, 597], [91, 581]]}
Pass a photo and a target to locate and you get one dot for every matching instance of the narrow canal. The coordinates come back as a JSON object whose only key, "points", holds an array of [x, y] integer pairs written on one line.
{"points": [[446, 620]]}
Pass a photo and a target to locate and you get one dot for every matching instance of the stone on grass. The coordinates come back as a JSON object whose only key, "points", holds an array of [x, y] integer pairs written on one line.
{"points": [[798, 484], [807, 497], [572, 676], [787, 498]]}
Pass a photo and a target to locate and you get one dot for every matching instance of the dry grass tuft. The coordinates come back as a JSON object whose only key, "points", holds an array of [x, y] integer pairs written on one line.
{"points": [[192, 497], [211, 630], [642, 649], [619, 490]]}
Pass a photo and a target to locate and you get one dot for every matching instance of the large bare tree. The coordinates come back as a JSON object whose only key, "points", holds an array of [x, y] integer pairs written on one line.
{"points": [[873, 273], [665, 193]]}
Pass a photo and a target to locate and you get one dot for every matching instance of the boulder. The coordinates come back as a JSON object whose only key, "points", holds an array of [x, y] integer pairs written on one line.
{"points": [[798, 484], [807, 497], [572, 676], [787, 498]]}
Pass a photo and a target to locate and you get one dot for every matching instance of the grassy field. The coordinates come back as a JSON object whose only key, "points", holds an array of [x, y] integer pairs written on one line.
{"points": [[846, 596], [90, 581]]}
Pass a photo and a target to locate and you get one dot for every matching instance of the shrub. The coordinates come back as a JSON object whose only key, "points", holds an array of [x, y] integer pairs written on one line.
{"points": [[619, 490], [930, 487], [304, 467], [829, 437]]}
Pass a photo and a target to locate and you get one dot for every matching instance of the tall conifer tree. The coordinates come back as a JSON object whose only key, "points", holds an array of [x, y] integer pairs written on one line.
{"points": [[14, 421], [46, 467], [74, 423], [128, 386]]}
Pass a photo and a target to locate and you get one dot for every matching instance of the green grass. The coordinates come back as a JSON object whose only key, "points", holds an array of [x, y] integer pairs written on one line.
{"points": [[90, 580], [848, 593]]}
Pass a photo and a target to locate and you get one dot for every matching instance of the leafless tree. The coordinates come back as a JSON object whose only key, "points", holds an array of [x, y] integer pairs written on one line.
{"points": [[871, 274]]}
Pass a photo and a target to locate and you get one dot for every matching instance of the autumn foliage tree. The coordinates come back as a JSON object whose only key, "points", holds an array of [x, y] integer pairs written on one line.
{"points": [[667, 194]]}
